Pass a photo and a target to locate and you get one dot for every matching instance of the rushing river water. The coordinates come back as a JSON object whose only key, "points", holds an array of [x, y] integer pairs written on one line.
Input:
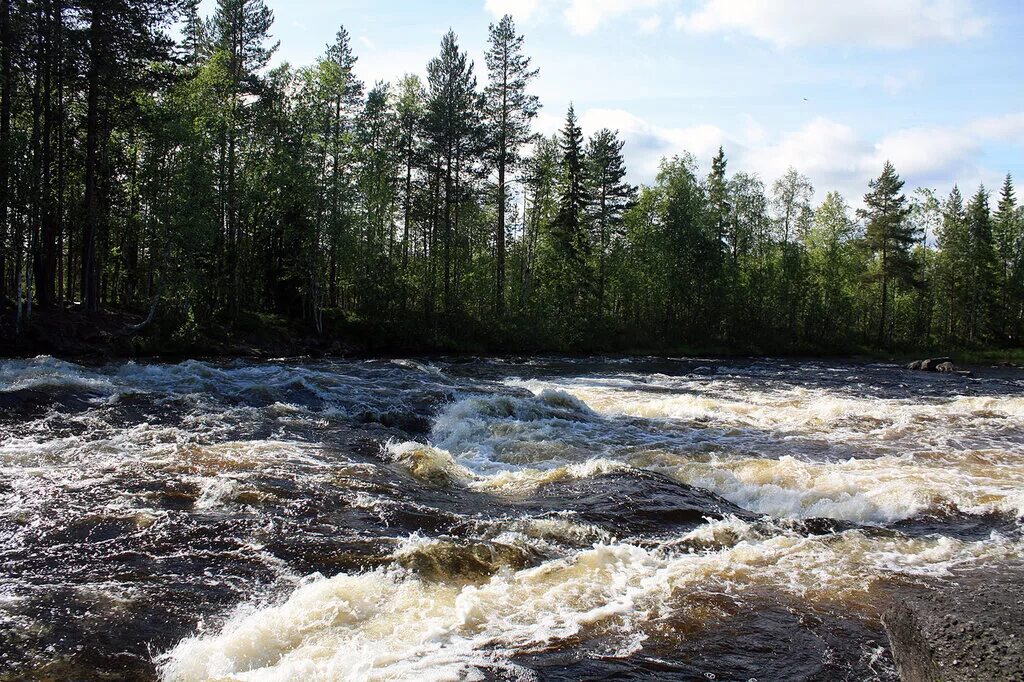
{"points": [[485, 519]]}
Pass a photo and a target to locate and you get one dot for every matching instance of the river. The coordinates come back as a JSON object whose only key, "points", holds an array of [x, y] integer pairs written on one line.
{"points": [[506, 519]]}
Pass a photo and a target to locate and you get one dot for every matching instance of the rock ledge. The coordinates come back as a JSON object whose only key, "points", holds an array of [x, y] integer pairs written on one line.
{"points": [[969, 629]]}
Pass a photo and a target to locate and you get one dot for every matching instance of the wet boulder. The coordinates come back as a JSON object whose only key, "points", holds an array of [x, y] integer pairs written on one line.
{"points": [[933, 365], [946, 368], [969, 628], [634, 501]]}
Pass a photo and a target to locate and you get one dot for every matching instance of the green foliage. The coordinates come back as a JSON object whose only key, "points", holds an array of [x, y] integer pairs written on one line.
{"points": [[231, 197]]}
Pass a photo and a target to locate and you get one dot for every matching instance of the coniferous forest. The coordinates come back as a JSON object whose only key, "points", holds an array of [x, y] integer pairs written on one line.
{"points": [[156, 161]]}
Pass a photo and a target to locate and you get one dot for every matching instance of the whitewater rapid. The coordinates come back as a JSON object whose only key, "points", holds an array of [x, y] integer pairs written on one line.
{"points": [[486, 519]]}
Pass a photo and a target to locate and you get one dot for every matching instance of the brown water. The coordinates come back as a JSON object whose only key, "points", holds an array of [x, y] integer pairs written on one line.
{"points": [[545, 519]]}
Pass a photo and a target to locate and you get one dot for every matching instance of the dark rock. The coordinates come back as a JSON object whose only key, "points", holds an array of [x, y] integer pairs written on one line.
{"points": [[634, 501], [969, 628], [932, 365]]}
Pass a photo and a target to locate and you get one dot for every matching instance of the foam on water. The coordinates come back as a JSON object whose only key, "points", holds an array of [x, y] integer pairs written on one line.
{"points": [[487, 554], [389, 624], [576, 428], [880, 490]]}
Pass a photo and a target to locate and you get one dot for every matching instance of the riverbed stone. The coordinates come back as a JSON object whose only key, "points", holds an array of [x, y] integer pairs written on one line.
{"points": [[932, 365], [968, 628]]}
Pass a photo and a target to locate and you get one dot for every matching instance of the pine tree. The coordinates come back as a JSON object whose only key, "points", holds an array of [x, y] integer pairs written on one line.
{"points": [[343, 95], [455, 135], [6, 152], [890, 237], [195, 36], [410, 111], [611, 196], [241, 29], [509, 111], [340, 54], [125, 39]]}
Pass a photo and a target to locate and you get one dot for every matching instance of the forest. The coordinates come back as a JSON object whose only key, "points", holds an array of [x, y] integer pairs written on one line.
{"points": [[158, 161]]}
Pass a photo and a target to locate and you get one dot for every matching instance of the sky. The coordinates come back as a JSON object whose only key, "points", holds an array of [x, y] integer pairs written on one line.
{"points": [[833, 88]]}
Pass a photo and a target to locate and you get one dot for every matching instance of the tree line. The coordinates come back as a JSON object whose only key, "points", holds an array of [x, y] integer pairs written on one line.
{"points": [[152, 159]]}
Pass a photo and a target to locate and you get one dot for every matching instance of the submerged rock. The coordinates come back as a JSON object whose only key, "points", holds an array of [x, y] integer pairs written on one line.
{"points": [[969, 630]]}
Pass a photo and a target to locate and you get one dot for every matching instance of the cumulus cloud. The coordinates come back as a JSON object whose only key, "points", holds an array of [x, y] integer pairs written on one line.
{"points": [[649, 24], [833, 154], [520, 9], [582, 16], [585, 16], [1008, 128], [647, 144], [872, 23]]}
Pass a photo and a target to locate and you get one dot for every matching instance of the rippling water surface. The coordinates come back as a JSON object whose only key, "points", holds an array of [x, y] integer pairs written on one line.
{"points": [[543, 519]]}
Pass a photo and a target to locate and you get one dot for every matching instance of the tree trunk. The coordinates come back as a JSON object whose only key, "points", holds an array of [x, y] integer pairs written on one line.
{"points": [[90, 269], [47, 248], [499, 293], [6, 94]]}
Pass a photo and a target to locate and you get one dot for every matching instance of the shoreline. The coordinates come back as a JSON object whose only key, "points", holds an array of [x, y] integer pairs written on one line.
{"points": [[73, 335]]}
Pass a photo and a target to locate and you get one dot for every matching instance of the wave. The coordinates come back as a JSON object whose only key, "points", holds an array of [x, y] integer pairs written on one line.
{"points": [[44, 373], [874, 491], [390, 624], [768, 407]]}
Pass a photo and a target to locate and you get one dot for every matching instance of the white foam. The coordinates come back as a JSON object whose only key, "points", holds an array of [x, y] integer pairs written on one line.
{"points": [[390, 625]]}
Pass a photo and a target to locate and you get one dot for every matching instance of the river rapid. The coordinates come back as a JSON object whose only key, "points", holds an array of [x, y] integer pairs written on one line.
{"points": [[478, 519]]}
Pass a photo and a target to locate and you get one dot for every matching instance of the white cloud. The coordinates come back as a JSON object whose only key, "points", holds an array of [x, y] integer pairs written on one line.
{"points": [[827, 151], [649, 24], [647, 144], [874, 23], [898, 82], [582, 16], [925, 152], [831, 153], [585, 16], [1008, 128], [520, 9]]}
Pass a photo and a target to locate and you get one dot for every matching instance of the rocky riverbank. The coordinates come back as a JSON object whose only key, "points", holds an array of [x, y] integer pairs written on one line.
{"points": [[969, 628]]}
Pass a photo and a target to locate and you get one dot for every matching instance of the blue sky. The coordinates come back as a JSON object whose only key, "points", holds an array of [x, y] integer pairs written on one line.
{"points": [[833, 88]]}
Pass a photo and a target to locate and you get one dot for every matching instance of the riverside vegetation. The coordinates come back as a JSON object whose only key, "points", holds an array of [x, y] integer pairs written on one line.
{"points": [[154, 162]]}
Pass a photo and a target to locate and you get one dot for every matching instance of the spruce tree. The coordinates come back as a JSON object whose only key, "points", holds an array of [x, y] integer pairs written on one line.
{"points": [[571, 238], [509, 110], [718, 193], [982, 266], [953, 245], [569, 226], [1006, 230], [890, 237], [610, 197]]}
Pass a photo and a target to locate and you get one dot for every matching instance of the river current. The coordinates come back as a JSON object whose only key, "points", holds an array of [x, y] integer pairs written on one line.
{"points": [[477, 519]]}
